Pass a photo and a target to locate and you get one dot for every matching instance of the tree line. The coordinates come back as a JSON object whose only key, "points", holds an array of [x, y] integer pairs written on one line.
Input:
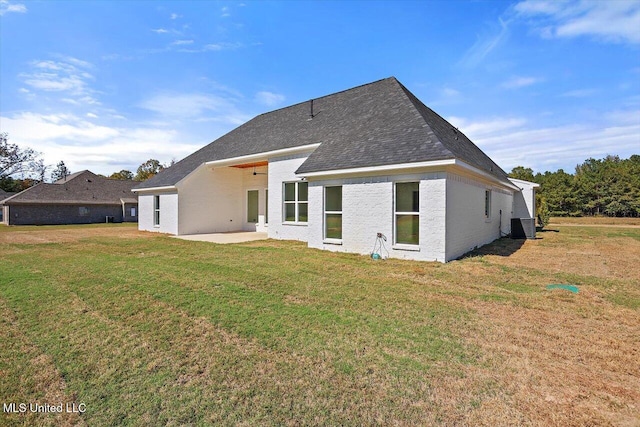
{"points": [[21, 168], [608, 187]]}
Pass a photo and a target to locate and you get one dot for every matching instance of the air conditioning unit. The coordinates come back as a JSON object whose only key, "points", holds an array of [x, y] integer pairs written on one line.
{"points": [[523, 228]]}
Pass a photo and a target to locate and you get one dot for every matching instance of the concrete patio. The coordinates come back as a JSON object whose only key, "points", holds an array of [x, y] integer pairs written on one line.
{"points": [[224, 238]]}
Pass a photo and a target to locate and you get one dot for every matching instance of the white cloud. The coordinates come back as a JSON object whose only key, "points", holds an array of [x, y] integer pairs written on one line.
{"points": [[579, 93], [92, 116], [269, 99], [484, 45], [515, 142], [608, 21], [8, 7], [518, 82], [195, 107], [67, 75], [160, 31], [222, 46], [182, 42], [83, 145], [175, 16]]}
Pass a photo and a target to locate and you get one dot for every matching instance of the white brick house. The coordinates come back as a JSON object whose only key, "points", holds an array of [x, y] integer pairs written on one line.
{"points": [[337, 170]]}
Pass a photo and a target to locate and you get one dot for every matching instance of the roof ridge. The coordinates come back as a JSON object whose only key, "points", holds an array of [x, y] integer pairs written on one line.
{"points": [[328, 95], [492, 168]]}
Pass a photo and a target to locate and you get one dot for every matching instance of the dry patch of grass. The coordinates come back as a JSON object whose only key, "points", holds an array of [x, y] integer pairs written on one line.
{"points": [[155, 330], [595, 220], [65, 234]]}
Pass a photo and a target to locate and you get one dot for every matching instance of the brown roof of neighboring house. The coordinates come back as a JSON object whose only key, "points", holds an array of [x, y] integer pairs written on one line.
{"points": [[83, 187], [5, 194]]}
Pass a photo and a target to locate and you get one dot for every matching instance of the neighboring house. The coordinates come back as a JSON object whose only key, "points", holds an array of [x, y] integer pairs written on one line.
{"points": [[337, 170], [80, 198]]}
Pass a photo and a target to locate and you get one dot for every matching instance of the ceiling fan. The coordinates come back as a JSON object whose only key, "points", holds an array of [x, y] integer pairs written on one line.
{"points": [[258, 173]]}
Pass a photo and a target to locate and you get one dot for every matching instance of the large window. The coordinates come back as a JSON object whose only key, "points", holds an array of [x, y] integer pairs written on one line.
{"points": [[156, 210], [487, 204], [407, 213], [333, 212], [296, 201]]}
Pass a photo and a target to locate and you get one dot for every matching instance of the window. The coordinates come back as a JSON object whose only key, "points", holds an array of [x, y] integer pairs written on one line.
{"points": [[82, 211], [156, 210], [252, 206], [133, 212], [333, 212], [296, 201], [487, 204], [407, 213]]}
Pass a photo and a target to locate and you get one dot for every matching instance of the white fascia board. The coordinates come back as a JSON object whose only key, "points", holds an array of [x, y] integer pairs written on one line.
{"points": [[379, 169], [144, 190], [523, 182], [486, 175], [261, 156]]}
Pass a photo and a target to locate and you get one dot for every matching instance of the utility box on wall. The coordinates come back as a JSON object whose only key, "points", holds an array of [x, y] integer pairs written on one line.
{"points": [[523, 228]]}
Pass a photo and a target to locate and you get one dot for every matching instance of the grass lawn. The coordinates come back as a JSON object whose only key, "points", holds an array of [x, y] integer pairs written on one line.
{"points": [[144, 329]]}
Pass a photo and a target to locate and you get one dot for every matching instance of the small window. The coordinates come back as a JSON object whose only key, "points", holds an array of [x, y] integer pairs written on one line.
{"points": [[296, 201], [83, 211], [487, 204], [407, 213], [333, 212], [133, 212], [156, 210]]}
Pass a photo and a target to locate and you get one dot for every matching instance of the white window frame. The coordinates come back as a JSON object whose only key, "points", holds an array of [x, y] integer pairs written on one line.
{"points": [[296, 202], [156, 211], [326, 212], [266, 206], [133, 212], [398, 245]]}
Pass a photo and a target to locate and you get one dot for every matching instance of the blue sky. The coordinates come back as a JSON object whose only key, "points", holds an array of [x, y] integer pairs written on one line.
{"points": [[106, 85]]}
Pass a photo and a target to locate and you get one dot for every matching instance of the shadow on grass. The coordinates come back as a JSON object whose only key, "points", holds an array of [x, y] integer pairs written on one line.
{"points": [[545, 230], [504, 246]]}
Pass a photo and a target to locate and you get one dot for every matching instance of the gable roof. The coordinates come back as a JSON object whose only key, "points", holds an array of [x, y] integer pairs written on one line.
{"points": [[83, 187], [376, 124]]}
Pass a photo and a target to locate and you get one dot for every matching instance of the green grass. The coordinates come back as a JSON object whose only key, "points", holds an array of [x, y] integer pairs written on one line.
{"points": [[155, 331]]}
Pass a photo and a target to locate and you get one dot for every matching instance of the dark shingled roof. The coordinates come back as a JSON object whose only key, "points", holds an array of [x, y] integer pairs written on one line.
{"points": [[377, 124], [82, 187], [5, 194]]}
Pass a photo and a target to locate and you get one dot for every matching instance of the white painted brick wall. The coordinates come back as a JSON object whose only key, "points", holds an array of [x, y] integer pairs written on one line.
{"points": [[211, 201], [467, 226], [168, 213], [367, 208], [282, 169]]}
